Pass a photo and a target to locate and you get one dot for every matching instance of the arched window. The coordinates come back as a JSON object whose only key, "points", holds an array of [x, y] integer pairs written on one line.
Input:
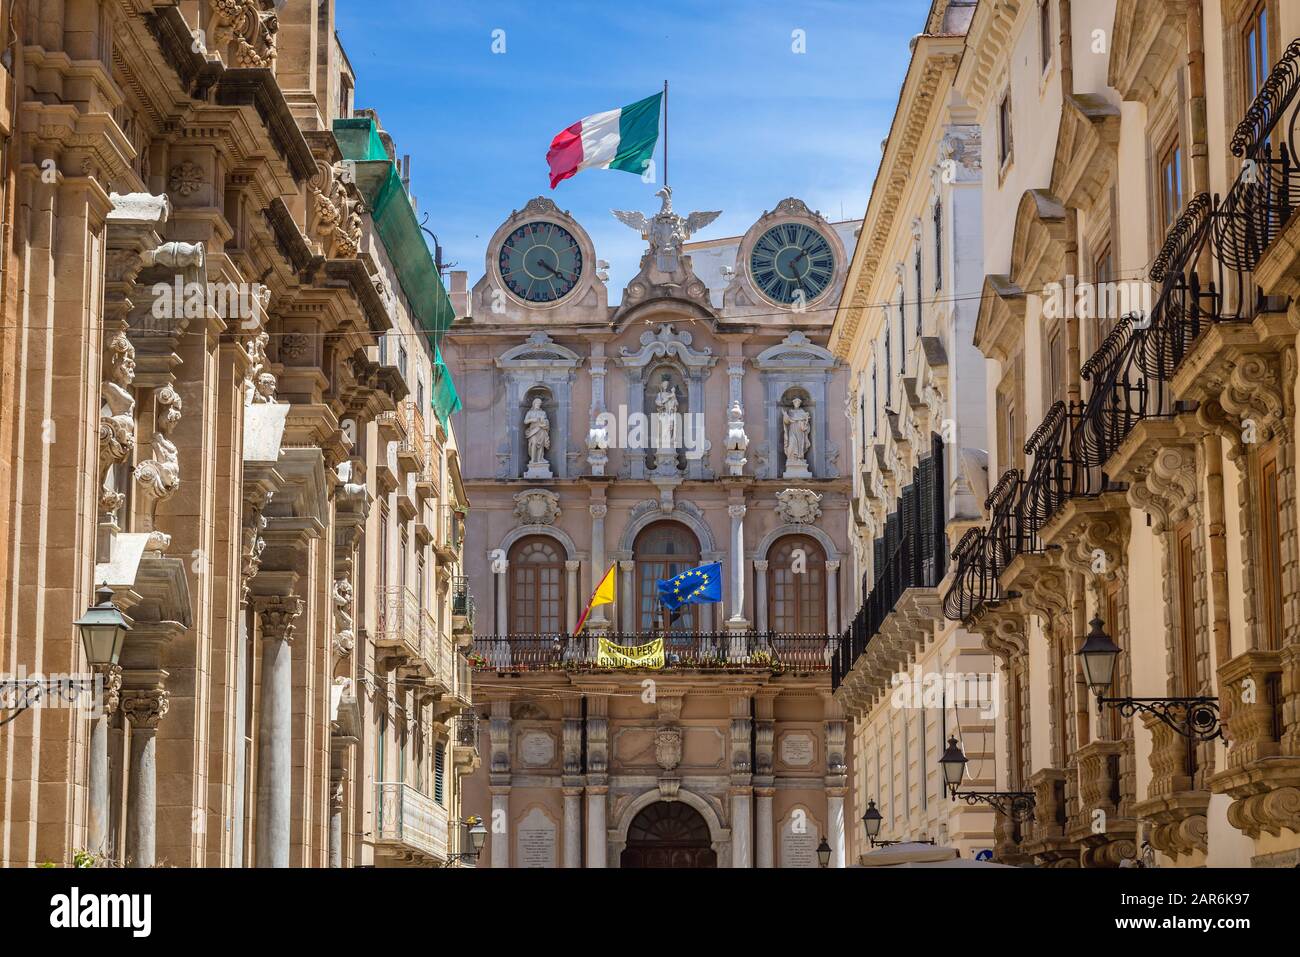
{"points": [[537, 587], [663, 550], [796, 599]]}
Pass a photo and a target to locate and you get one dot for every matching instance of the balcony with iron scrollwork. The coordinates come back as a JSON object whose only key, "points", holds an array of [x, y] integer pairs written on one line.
{"points": [[410, 826], [465, 753], [463, 610], [773, 653], [399, 631]]}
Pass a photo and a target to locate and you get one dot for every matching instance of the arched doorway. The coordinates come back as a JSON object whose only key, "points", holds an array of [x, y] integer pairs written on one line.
{"points": [[668, 834]]}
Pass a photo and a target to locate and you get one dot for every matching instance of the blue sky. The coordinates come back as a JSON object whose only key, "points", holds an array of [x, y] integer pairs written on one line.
{"points": [[750, 121]]}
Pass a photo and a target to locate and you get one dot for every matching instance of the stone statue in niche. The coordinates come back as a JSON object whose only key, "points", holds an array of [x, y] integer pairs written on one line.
{"points": [[666, 407], [537, 433], [116, 418], [737, 440], [160, 476], [798, 439]]}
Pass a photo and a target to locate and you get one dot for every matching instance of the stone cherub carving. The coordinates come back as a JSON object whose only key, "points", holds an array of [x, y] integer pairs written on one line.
{"points": [[665, 231], [116, 417], [160, 476], [537, 433], [798, 438]]}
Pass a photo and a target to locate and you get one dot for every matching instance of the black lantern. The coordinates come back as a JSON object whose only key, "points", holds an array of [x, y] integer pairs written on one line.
{"points": [[871, 821], [823, 853], [1098, 653], [103, 629], [953, 763]]}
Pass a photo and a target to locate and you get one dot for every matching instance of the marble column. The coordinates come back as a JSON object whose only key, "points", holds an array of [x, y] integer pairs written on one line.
{"points": [[833, 598], [760, 596], [97, 813], [627, 600], [502, 569], [336, 821], [764, 833], [500, 827], [573, 827], [835, 826], [143, 709], [737, 621], [571, 594], [597, 827], [278, 615], [741, 842], [598, 567]]}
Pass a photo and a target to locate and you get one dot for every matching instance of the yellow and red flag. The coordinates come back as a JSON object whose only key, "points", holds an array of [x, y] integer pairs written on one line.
{"points": [[603, 595]]}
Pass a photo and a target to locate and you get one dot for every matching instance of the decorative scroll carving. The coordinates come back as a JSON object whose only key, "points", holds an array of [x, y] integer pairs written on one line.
{"points": [[252, 544], [798, 506], [144, 708], [336, 215], [536, 506], [251, 29]]}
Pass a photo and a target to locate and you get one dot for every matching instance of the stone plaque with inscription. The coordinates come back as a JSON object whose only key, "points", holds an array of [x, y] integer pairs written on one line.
{"points": [[798, 749], [537, 749], [798, 840], [535, 840]]}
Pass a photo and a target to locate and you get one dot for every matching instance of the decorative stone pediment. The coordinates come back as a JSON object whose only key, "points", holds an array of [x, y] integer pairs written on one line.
{"points": [[539, 351], [999, 327], [666, 342], [536, 506], [1146, 41], [1087, 142], [795, 352], [798, 506]]}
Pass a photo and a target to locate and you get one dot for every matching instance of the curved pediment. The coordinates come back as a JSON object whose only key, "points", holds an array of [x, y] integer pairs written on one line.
{"points": [[1148, 38], [795, 350], [1038, 243], [539, 350], [1087, 149]]}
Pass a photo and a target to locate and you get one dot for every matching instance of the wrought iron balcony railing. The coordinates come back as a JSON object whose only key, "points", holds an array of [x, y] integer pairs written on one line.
{"points": [[462, 602], [972, 585], [706, 651]]}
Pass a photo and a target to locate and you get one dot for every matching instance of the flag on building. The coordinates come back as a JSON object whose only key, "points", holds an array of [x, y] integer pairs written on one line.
{"points": [[603, 595], [695, 586], [616, 139]]}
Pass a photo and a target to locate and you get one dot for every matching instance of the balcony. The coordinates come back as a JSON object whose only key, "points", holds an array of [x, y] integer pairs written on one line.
{"points": [[435, 664], [465, 753], [713, 651], [411, 445], [399, 631], [462, 607], [450, 534], [410, 827]]}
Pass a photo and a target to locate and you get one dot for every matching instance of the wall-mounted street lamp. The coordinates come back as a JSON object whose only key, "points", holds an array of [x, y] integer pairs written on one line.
{"points": [[1016, 805], [1194, 718], [103, 629], [477, 837], [823, 853], [871, 821]]}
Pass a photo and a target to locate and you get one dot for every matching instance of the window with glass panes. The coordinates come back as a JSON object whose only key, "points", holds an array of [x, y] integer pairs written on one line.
{"points": [[536, 587], [797, 600], [1170, 171]]}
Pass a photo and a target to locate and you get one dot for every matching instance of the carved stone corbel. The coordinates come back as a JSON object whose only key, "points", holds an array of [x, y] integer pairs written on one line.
{"points": [[159, 476]]}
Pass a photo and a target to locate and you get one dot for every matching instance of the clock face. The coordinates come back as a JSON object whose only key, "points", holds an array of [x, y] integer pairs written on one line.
{"points": [[540, 262], [790, 260]]}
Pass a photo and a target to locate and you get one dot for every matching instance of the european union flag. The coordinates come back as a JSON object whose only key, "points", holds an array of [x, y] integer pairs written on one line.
{"points": [[695, 586]]}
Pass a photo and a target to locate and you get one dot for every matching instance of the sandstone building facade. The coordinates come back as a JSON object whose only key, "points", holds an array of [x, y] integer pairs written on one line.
{"points": [[222, 397], [1138, 325], [733, 754]]}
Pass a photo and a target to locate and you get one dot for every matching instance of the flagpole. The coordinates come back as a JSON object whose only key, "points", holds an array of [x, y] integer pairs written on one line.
{"points": [[665, 132]]}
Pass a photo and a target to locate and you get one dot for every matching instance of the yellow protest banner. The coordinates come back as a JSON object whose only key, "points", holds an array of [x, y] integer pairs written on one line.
{"points": [[649, 655]]}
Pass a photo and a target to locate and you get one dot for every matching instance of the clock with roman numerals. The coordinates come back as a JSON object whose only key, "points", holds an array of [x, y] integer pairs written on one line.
{"points": [[540, 262], [790, 261]]}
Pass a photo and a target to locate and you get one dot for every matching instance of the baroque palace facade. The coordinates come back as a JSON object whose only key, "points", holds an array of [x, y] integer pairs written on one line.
{"points": [[1119, 458], [733, 754], [222, 398]]}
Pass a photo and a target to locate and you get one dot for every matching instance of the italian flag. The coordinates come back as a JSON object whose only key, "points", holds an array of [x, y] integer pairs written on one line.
{"points": [[616, 139]]}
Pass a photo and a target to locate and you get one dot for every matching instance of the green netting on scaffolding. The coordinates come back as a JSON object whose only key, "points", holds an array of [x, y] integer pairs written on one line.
{"points": [[381, 187]]}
